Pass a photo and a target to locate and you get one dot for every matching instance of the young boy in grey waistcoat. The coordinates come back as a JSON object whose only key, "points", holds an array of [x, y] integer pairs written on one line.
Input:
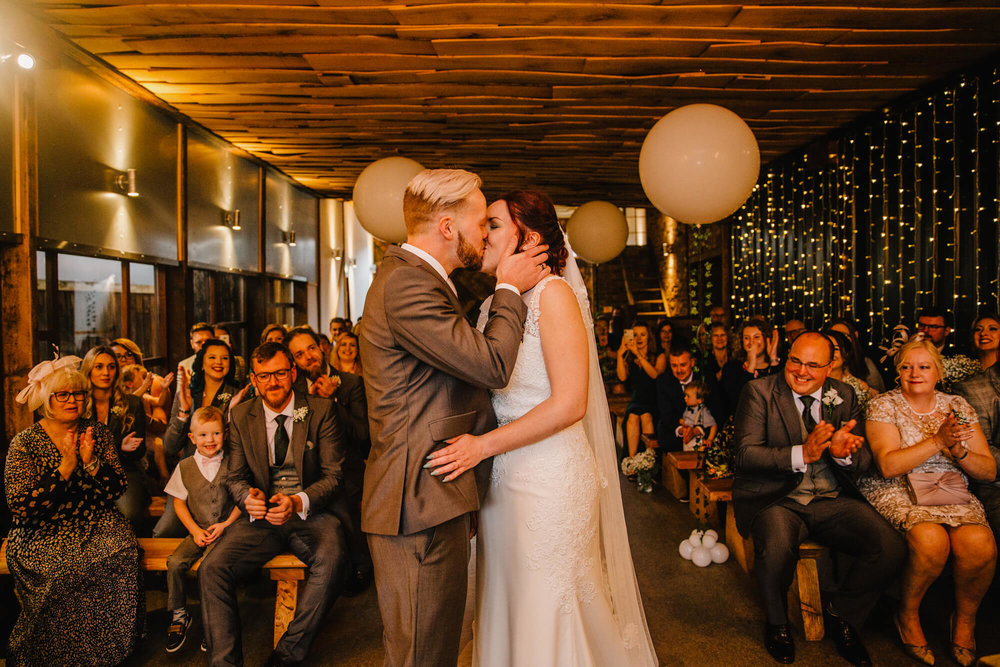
{"points": [[203, 504]]}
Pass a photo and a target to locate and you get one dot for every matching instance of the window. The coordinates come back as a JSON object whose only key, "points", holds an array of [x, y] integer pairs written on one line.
{"points": [[89, 301], [144, 308], [636, 218], [220, 298]]}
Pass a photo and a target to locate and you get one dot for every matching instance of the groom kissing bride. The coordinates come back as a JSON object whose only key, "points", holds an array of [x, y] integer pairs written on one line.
{"points": [[430, 379]]}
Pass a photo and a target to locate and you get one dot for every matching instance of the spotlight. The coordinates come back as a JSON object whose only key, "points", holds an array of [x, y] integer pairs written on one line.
{"points": [[126, 183], [25, 61], [231, 219]]}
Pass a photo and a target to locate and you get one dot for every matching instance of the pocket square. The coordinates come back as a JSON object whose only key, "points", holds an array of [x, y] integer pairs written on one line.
{"points": [[309, 445]]}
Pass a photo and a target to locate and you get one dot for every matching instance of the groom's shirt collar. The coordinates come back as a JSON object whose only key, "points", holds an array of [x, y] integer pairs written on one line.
{"points": [[436, 265]]}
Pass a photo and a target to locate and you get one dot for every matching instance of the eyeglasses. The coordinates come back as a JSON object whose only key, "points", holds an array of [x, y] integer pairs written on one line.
{"points": [[64, 396], [932, 327], [277, 375], [812, 365]]}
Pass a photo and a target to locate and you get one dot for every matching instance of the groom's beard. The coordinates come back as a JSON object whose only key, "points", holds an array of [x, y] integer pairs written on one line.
{"points": [[467, 254]]}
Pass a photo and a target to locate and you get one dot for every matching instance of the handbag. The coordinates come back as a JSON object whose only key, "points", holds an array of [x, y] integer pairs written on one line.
{"points": [[939, 488]]}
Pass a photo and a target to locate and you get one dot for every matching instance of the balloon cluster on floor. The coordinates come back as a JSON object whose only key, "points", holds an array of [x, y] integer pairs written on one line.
{"points": [[704, 548]]}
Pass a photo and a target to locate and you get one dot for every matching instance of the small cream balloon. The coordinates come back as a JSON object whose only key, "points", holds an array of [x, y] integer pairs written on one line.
{"points": [[720, 553], [378, 197], [708, 540], [598, 231], [685, 550], [701, 557], [699, 163]]}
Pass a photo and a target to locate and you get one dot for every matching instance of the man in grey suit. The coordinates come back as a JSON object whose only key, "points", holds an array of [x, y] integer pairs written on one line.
{"points": [[285, 455], [982, 391], [427, 374], [316, 376], [799, 447]]}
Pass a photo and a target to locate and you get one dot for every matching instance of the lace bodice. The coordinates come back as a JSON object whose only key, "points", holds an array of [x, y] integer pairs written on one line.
{"points": [[529, 381], [892, 408]]}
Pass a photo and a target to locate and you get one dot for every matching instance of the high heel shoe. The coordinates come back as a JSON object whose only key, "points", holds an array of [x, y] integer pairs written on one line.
{"points": [[919, 652], [963, 655]]}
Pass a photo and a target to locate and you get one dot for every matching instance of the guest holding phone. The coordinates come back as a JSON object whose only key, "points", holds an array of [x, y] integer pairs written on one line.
{"points": [[638, 367]]}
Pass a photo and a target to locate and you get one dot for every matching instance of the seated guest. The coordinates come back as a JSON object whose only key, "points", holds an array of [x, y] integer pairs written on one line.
{"points": [[793, 328], [325, 346], [664, 334], [845, 366], [199, 333], [872, 375], [923, 437], [982, 391], [316, 377], [986, 338], [211, 383], [73, 556], [345, 354], [935, 324], [670, 396], [155, 393], [757, 358], [286, 452], [202, 502], [638, 367], [222, 333], [125, 416], [798, 451], [338, 325], [697, 427], [273, 333]]}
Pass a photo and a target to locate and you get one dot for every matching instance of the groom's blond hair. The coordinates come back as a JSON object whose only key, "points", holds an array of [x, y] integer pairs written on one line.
{"points": [[435, 190]]}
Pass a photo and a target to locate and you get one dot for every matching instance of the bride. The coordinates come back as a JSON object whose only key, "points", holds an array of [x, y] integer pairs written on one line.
{"points": [[555, 583]]}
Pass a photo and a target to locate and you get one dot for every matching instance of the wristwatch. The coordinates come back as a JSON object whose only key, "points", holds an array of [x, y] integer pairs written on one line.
{"points": [[92, 466]]}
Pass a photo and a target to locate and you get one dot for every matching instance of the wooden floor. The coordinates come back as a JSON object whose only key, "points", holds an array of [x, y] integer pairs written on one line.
{"points": [[696, 616]]}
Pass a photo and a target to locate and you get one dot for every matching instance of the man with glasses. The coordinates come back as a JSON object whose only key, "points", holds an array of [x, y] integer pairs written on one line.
{"points": [[935, 324], [285, 474], [799, 449]]}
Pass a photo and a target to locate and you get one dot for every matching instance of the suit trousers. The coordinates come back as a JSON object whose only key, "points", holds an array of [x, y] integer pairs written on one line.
{"points": [[422, 582], [844, 524], [179, 563], [243, 548]]}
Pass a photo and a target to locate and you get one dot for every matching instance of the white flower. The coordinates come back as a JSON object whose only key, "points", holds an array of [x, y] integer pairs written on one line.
{"points": [[300, 414], [831, 397], [223, 398], [118, 411]]}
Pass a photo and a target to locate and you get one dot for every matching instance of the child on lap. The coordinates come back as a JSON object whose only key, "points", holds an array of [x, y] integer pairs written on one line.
{"points": [[201, 498]]}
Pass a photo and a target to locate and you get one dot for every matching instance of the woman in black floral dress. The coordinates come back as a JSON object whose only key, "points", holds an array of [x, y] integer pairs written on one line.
{"points": [[74, 558]]}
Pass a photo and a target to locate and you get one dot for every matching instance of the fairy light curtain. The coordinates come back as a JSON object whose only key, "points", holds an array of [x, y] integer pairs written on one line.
{"points": [[903, 214]]}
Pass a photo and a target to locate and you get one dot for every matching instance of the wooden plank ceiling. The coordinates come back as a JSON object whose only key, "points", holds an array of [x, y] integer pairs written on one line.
{"points": [[554, 95]]}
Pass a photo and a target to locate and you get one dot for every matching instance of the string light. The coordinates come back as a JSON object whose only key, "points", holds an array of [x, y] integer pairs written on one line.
{"points": [[905, 215]]}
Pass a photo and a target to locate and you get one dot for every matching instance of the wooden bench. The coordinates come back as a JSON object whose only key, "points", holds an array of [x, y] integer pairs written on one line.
{"points": [[285, 569], [706, 494], [676, 476], [804, 591]]}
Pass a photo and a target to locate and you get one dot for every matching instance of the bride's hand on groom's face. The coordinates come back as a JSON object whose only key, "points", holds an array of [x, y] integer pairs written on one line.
{"points": [[523, 269], [462, 453]]}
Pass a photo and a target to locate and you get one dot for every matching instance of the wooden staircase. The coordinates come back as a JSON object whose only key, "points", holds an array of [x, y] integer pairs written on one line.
{"points": [[642, 282]]}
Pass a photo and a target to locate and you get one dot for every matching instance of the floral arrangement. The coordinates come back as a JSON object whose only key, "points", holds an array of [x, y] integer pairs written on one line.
{"points": [[641, 465], [224, 398], [300, 414], [958, 368], [719, 455], [831, 399]]}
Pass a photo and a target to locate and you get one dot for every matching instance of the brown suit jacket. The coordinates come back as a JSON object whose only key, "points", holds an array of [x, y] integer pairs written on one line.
{"points": [[316, 445], [427, 374]]}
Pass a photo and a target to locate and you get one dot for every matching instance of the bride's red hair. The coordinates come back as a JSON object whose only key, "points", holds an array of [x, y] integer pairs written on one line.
{"points": [[533, 210]]}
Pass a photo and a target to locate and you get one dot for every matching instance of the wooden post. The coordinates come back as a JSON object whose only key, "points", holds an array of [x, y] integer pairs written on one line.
{"points": [[18, 321], [286, 597]]}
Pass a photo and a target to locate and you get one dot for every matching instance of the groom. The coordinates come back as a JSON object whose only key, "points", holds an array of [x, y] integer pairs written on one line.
{"points": [[427, 375]]}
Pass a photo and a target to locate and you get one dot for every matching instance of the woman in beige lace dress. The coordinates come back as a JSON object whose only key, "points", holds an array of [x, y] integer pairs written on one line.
{"points": [[917, 429]]}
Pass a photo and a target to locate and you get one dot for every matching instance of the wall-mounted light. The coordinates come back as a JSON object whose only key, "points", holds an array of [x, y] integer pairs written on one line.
{"points": [[23, 59], [231, 219], [288, 238], [338, 254], [126, 183]]}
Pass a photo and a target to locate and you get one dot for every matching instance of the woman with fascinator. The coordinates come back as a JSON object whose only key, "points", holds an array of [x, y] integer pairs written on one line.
{"points": [[72, 553], [555, 584]]}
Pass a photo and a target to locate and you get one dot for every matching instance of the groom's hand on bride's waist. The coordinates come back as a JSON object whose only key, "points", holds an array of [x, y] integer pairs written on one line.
{"points": [[523, 269]]}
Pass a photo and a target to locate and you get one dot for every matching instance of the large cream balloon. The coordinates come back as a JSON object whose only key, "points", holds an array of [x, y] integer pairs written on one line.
{"points": [[597, 231], [699, 163], [378, 197]]}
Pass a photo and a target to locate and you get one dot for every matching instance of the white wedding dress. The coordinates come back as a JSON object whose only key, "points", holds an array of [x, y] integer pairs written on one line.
{"points": [[543, 595]]}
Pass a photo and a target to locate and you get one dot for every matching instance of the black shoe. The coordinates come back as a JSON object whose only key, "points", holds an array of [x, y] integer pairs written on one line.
{"points": [[778, 642], [177, 633], [357, 582], [275, 660], [847, 640]]}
